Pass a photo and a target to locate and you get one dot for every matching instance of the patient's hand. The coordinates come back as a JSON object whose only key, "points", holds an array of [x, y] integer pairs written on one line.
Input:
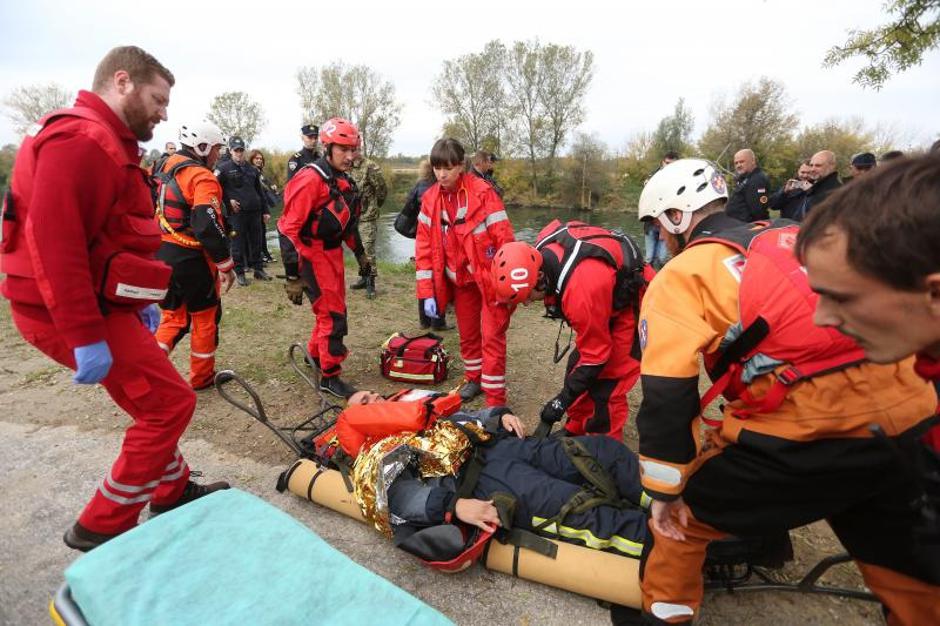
{"points": [[513, 424], [479, 513]]}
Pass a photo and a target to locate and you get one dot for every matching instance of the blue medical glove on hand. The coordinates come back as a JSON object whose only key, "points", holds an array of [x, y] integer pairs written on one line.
{"points": [[150, 316], [93, 362], [430, 307]]}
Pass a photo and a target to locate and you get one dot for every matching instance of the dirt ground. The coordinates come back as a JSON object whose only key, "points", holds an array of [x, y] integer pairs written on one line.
{"points": [[258, 326]]}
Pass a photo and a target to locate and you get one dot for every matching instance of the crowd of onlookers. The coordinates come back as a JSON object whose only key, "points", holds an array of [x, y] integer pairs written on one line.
{"points": [[751, 198]]}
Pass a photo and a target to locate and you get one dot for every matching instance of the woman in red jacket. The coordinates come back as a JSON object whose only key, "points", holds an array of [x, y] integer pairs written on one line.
{"points": [[461, 225]]}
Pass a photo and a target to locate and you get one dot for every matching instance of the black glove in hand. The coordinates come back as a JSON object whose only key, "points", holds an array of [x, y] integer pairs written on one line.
{"points": [[553, 411], [295, 290]]}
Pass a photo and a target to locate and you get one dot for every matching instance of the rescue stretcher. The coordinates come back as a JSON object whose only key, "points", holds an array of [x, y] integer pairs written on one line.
{"points": [[733, 565]]}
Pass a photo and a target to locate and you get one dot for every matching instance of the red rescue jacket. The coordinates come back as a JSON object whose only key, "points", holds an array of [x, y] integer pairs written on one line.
{"points": [[112, 264], [320, 205], [460, 249], [777, 307]]}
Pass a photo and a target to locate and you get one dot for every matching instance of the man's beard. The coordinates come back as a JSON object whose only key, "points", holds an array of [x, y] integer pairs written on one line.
{"points": [[137, 119]]}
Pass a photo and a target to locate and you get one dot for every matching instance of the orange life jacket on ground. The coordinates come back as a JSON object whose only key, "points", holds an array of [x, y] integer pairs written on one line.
{"points": [[361, 424]]}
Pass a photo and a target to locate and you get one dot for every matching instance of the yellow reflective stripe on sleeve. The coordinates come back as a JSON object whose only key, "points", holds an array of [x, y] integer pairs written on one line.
{"points": [[585, 536]]}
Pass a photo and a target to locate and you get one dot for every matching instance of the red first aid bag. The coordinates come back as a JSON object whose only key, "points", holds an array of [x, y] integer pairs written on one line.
{"points": [[419, 360]]}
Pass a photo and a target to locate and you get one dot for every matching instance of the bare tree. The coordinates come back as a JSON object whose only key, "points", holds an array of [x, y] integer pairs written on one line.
{"points": [[359, 94], [307, 82], [26, 105], [524, 85], [236, 114], [469, 91], [565, 77]]}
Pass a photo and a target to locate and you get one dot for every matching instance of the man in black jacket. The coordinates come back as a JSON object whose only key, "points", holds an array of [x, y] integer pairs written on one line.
{"points": [[243, 197], [789, 198], [825, 178], [748, 202]]}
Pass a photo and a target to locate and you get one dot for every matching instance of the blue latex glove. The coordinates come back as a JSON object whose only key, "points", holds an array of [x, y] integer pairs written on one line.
{"points": [[430, 307], [150, 316], [93, 362]]}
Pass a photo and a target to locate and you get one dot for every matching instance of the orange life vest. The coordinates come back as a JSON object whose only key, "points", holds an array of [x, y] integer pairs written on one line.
{"points": [[361, 424]]}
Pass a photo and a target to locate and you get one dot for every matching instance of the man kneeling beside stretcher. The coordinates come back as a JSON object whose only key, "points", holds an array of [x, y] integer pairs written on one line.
{"points": [[478, 467]]}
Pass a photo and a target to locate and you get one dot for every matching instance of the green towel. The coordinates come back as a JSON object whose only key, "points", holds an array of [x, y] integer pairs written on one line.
{"points": [[231, 558]]}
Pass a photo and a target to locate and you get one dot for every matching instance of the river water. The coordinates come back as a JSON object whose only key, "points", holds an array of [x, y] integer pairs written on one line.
{"points": [[394, 248], [528, 222]]}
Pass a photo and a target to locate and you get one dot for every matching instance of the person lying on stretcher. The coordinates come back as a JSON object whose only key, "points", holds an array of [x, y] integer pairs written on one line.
{"points": [[421, 463]]}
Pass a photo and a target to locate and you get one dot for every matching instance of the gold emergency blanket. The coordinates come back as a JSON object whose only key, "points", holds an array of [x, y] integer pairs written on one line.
{"points": [[438, 452]]}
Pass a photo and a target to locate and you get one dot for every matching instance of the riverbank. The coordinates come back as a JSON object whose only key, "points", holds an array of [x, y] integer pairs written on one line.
{"points": [[257, 327]]}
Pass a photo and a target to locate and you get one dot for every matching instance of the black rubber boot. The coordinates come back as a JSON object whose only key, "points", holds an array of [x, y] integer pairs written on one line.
{"points": [[470, 390], [370, 287], [80, 538], [193, 491], [336, 386], [359, 284], [262, 275], [241, 280]]}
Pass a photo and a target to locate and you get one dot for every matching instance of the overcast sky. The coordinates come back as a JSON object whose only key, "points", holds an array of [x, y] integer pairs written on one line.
{"points": [[646, 55]]}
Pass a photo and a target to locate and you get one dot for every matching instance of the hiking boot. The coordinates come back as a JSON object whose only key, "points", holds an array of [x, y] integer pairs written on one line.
{"points": [[470, 390], [621, 615], [441, 325], [336, 386], [192, 491], [262, 275], [241, 280], [80, 538], [359, 284], [370, 287]]}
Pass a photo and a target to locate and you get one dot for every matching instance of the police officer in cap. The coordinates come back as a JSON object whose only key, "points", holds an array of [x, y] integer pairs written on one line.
{"points": [[306, 155]]}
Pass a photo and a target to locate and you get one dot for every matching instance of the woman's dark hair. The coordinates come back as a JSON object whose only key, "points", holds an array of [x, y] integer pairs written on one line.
{"points": [[447, 153], [890, 222], [253, 154]]}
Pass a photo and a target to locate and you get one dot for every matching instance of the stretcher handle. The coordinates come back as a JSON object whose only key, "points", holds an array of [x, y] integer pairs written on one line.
{"points": [[301, 368], [225, 376]]}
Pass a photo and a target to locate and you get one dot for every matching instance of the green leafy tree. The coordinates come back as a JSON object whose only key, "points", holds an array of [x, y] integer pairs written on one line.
{"points": [[236, 114], [26, 105], [674, 132], [893, 47], [7, 157]]}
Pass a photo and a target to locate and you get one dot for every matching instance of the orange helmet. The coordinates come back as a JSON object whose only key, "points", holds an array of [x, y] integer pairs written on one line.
{"points": [[516, 271], [338, 130]]}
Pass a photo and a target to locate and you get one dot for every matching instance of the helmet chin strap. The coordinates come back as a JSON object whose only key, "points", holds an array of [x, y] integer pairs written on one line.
{"points": [[677, 230]]}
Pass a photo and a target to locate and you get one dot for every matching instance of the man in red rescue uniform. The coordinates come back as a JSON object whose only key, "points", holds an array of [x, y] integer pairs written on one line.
{"points": [[604, 365], [461, 225], [321, 211], [809, 430], [78, 254], [195, 246]]}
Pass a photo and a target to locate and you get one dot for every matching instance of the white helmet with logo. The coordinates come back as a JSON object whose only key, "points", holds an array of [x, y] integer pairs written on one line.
{"points": [[201, 137], [685, 185]]}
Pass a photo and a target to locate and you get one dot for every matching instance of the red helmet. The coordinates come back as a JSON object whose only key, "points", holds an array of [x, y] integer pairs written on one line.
{"points": [[338, 130], [516, 271]]}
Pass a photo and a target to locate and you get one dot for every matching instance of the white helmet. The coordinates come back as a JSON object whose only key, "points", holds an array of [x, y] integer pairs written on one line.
{"points": [[201, 137], [685, 185]]}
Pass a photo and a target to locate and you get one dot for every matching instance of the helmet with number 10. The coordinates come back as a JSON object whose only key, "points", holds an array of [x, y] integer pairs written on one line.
{"points": [[516, 271]]}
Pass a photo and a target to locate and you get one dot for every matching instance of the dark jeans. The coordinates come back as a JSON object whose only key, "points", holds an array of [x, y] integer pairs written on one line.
{"points": [[246, 244]]}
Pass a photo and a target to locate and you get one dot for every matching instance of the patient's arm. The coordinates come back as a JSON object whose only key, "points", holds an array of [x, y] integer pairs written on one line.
{"points": [[480, 513]]}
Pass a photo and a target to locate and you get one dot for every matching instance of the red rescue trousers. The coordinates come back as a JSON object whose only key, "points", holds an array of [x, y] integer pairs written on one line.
{"points": [[324, 279], [144, 383], [602, 409], [482, 329], [193, 306]]}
